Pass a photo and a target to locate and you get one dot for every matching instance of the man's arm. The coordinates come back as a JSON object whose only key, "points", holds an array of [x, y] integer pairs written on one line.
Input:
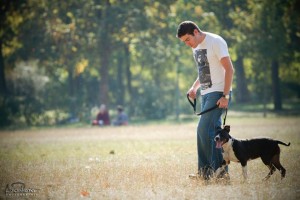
{"points": [[193, 90], [227, 64]]}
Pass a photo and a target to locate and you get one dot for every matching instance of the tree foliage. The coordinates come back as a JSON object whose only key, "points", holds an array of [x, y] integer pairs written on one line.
{"points": [[61, 58]]}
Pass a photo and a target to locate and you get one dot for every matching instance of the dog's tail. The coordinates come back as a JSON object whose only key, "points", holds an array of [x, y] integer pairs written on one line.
{"points": [[279, 142]]}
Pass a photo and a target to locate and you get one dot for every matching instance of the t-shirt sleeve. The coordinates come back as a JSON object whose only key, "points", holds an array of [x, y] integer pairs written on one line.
{"points": [[220, 48]]}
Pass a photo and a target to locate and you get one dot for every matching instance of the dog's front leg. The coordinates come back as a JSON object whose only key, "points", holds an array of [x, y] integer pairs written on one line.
{"points": [[222, 168], [244, 166]]}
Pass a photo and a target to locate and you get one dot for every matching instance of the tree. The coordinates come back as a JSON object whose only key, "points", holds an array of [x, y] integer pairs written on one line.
{"points": [[273, 41], [126, 52], [10, 19]]}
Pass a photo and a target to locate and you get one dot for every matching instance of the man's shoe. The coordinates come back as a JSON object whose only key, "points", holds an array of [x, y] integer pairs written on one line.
{"points": [[223, 178], [224, 175]]}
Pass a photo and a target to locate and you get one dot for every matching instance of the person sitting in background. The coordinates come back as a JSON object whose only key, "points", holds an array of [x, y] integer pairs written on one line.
{"points": [[122, 118], [102, 117]]}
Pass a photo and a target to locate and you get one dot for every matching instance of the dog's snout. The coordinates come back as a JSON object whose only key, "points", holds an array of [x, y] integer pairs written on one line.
{"points": [[217, 138]]}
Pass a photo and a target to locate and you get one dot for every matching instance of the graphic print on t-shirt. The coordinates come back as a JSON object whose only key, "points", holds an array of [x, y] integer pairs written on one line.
{"points": [[200, 57]]}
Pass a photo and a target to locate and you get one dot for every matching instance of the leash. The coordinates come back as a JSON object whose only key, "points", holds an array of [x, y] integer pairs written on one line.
{"points": [[224, 120], [193, 104]]}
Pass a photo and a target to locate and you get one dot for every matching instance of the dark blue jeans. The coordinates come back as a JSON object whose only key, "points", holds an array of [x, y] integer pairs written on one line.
{"points": [[209, 157]]}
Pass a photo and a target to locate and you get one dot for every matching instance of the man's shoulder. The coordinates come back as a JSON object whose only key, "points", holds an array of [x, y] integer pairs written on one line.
{"points": [[213, 37], [216, 40]]}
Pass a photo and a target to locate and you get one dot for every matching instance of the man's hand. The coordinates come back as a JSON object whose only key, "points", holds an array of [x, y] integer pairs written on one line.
{"points": [[192, 93], [223, 102]]}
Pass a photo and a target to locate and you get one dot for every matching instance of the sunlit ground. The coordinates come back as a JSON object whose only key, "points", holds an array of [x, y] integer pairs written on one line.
{"points": [[140, 162]]}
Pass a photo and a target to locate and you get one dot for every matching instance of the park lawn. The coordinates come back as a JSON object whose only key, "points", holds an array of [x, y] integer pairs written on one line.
{"points": [[140, 162]]}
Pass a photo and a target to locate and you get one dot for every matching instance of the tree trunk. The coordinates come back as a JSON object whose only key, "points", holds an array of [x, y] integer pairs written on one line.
{"points": [[104, 77], [128, 77], [276, 86], [104, 46], [3, 89], [128, 72], [120, 82], [71, 88], [242, 94]]}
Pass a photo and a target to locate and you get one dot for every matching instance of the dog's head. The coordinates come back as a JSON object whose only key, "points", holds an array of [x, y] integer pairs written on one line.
{"points": [[222, 136]]}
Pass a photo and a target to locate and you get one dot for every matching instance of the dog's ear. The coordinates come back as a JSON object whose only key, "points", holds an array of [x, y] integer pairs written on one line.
{"points": [[227, 128]]}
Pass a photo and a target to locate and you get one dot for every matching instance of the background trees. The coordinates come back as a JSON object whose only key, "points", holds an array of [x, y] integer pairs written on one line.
{"points": [[60, 59]]}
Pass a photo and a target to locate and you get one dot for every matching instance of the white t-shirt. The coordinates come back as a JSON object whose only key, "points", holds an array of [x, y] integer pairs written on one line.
{"points": [[208, 55]]}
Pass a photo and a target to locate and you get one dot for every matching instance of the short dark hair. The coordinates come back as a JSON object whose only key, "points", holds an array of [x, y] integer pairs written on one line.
{"points": [[120, 108], [186, 27]]}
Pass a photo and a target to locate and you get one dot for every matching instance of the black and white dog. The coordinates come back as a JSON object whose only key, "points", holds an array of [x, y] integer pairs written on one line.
{"points": [[244, 150]]}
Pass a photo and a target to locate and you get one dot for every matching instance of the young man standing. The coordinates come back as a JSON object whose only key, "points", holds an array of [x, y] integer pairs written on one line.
{"points": [[215, 74]]}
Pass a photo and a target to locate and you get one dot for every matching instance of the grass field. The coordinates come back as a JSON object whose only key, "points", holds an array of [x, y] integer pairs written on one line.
{"points": [[139, 162]]}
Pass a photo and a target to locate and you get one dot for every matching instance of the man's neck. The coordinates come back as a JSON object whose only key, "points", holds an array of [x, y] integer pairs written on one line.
{"points": [[201, 37]]}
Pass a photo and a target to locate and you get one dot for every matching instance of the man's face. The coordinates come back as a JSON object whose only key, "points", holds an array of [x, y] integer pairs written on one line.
{"points": [[189, 40]]}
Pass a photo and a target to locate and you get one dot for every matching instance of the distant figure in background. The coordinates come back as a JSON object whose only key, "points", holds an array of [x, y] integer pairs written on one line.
{"points": [[122, 118], [102, 117]]}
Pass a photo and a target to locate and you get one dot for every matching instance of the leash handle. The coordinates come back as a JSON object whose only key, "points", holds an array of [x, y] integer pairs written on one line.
{"points": [[194, 106]]}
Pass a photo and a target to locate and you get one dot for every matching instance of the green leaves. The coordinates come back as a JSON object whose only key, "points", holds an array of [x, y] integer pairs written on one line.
{"points": [[95, 51]]}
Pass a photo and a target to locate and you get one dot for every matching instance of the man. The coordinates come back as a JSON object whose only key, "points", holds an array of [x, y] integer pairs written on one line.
{"points": [[215, 74], [122, 118]]}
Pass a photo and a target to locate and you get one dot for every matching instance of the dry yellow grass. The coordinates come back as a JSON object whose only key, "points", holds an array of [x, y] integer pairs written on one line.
{"points": [[141, 162]]}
